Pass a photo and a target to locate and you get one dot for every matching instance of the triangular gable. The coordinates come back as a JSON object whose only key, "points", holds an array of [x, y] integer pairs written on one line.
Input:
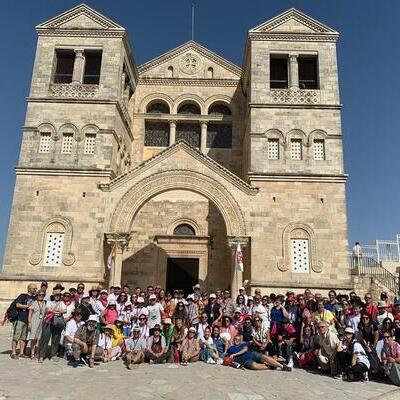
{"points": [[293, 21], [169, 152], [80, 17], [191, 47]]}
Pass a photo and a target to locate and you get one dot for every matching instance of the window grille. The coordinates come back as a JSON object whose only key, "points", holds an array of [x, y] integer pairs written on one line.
{"points": [[45, 141], [273, 149], [219, 136], [185, 230], [295, 149], [300, 255], [188, 132], [90, 143], [54, 249], [156, 134], [67, 142], [319, 149]]}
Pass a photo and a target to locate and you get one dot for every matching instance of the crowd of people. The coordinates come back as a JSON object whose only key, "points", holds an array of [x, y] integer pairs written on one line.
{"points": [[344, 335]]}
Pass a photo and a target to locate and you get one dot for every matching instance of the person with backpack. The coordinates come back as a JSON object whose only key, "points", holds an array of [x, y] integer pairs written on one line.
{"points": [[18, 314]]}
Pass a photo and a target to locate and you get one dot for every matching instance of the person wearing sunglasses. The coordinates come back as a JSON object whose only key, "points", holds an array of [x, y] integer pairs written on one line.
{"points": [[35, 321], [391, 357]]}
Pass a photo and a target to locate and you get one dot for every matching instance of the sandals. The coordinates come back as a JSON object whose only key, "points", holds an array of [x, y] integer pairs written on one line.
{"points": [[14, 356]]}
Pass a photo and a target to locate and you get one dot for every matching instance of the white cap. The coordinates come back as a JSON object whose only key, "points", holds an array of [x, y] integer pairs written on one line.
{"points": [[213, 295], [167, 321], [112, 303], [152, 297], [242, 288], [103, 291], [190, 297], [128, 303], [93, 318], [250, 298], [192, 329], [196, 286], [140, 300], [349, 330]]}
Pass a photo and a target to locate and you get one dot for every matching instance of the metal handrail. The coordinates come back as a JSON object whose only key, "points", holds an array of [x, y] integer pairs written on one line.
{"points": [[370, 267]]}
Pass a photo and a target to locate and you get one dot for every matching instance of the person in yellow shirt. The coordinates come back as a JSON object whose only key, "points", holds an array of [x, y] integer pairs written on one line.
{"points": [[117, 336], [323, 315]]}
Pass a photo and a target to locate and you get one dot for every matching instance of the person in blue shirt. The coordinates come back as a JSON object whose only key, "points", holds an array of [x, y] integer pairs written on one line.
{"points": [[252, 359]]}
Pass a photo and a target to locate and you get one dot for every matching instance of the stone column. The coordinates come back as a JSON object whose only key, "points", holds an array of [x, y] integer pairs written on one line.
{"points": [[172, 132], [293, 72], [236, 275], [119, 241], [203, 137], [79, 66]]}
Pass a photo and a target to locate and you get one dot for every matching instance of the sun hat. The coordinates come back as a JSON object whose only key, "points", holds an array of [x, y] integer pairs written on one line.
{"points": [[238, 309], [190, 297], [167, 321], [103, 291], [128, 303], [140, 300], [137, 328], [112, 303], [92, 318], [119, 318], [212, 296], [192, 329], [249, 297], [196, 286], [349, 330], [152, 297], [56, 292], [108, 326]]}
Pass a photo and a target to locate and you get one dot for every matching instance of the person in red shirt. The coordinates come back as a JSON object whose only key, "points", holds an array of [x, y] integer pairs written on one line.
{"points": [[369, 307]]}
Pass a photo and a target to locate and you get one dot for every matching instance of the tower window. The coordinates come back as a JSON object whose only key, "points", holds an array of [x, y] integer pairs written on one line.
{"points": [[92, 67], [64, 66], [278, 72], [273, 149], [300, 256], [295, 149], [44, 144], [90, 143], [66, 147], [156, 134], [319, 149], [308, 72]]}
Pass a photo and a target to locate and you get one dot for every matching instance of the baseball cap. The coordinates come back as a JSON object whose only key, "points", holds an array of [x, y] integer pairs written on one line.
{"points": [[140, 300], [152, 297]]}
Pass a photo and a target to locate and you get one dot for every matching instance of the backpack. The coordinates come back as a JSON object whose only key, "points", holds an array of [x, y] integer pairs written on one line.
{"points": [[12, 311]]}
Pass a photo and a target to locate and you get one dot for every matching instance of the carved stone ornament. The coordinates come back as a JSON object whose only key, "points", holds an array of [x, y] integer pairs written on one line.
{"points": [[35, 259], [190, 63], [68, 259]]}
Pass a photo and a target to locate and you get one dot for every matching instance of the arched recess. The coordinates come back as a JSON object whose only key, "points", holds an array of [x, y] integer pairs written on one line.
{"points": [[152, 98], [275, 134], [316, 134], [147, 188], [296, 134], [221, 99], [189, 98], [69, 128], [56, 224], [48, 128], [299, 231], [186, 221]]}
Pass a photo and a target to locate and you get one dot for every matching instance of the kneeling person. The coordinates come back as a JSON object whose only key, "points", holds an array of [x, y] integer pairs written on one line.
{"points": [[135, 346]]}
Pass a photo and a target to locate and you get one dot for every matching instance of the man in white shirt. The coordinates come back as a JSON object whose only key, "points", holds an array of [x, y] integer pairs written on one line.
{"points": [[70, 329], [135, 348], [357, 254], [155, 309]]}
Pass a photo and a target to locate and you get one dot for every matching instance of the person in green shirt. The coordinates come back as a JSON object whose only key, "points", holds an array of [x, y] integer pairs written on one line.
{"points": [[167, 332]]}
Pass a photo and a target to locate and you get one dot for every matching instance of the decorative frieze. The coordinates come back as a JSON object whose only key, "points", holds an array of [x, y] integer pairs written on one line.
{"points": [[78, 91], [295, 96]]}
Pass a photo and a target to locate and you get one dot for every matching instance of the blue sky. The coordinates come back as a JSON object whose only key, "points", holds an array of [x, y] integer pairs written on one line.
{"points": [[369, 60]]}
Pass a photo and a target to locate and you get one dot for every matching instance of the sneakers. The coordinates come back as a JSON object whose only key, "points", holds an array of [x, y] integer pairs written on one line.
{"points": [[290, 364], [211, 361], [220, 361], [74, 363], [286, 368]]}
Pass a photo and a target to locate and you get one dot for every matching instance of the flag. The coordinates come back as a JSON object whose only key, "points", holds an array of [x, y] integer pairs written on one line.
{"points": [[239, 258], [111, 257]]}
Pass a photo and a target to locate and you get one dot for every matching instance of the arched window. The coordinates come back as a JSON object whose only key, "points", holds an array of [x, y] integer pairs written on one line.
{"points": [[210, 73], [189, 108], [170, 71], [45, 142], [219, 109], [184, 230], [157, 107]]}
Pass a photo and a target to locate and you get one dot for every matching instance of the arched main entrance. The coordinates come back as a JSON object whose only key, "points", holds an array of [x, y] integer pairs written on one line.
{"points": [[146, 189]]}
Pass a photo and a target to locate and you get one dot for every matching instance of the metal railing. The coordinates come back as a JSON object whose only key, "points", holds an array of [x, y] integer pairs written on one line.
{"points": [[383, 250], [367, 266]]}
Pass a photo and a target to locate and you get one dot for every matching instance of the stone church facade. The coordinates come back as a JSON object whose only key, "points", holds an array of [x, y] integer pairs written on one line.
{"points": [[169, 165]]}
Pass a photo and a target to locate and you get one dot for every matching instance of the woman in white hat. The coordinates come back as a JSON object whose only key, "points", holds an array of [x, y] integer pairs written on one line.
{"points": [[190, 347]]}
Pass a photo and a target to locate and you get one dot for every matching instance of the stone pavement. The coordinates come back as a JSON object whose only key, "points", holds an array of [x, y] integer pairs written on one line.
{"points": [[20, 379]]}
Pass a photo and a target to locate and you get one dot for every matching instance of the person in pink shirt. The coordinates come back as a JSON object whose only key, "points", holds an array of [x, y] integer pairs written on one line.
{"points": [[110, 314]]}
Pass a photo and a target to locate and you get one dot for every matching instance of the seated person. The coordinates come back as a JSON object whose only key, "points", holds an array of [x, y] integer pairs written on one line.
{"points": [[220, 344], [209, 353], [105, 343], [156, 352], [190, 347], [85, 342], [241, 355], [70, 329], [135, 348], [391, 358], [306, 355]]}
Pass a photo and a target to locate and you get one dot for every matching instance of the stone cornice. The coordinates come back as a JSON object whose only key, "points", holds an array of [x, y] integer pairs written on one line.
{"points": [[21, 170], [310, 106], [296, 177], [168, 152], [309, 284], [80, 33], [191, 45], [69, 100], [188, 82], [51, 276], [182, 117], [292, 37]]}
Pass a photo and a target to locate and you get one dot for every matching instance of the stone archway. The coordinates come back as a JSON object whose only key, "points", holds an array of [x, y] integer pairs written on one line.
{"points": [[150, 186]]}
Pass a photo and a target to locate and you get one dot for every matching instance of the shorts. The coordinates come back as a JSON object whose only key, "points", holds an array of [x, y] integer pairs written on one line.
{"points": [[255, 358], [20, 331]]}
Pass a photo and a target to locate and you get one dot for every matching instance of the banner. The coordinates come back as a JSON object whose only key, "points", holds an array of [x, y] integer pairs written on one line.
{"points": [[239, 258]]}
